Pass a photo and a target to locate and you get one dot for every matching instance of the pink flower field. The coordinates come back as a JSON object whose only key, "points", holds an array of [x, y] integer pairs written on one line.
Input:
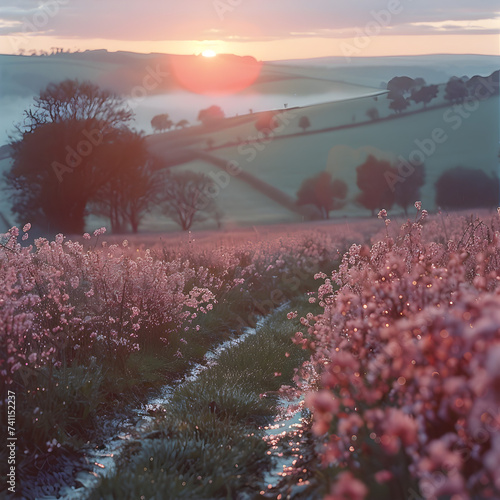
{"points": [[403, 375], [403, 379]]}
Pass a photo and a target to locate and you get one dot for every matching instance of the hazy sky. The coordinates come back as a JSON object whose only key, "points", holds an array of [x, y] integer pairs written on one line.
{"points": [[266, 29]]}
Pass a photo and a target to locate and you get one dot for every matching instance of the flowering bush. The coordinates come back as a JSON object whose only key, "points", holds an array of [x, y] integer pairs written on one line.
{"points": [[404, 372], [60, 302]]}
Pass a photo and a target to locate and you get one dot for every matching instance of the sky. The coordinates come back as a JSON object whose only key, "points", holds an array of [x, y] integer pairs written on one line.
{"points": [[265, 29]]}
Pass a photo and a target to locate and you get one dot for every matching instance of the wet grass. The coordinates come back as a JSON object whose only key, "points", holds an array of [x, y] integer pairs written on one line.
{"points": [[207, 444]]}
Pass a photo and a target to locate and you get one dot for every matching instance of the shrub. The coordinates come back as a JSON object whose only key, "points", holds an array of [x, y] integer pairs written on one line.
{"points": [[467, 188]]}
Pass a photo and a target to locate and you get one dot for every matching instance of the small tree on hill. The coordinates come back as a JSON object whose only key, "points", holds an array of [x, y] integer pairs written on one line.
{"points": [[399, 90], [211, 115], [456, 90], [322, 191], [266, 123], [186, 198], [373, 114], [399, 104], [182, 123], [401, 85], [424, 94], [372, 180], [161, 122], [304, 123], [462, 187]]}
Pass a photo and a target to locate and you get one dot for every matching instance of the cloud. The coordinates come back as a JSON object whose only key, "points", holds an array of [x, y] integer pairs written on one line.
{"points": [[155, 20]]}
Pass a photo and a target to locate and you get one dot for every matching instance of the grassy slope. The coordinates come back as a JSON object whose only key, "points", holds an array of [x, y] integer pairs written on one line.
{"points": [[285, 161]]}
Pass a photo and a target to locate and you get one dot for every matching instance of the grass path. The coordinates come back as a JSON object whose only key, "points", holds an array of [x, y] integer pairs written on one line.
{"points": [[209, 441]]}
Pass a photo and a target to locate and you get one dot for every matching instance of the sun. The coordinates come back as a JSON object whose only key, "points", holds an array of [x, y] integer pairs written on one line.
{"points": [[208, 53]]}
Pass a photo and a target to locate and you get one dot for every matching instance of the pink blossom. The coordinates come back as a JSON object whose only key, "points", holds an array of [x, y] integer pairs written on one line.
{"points": [[382, 476], [347, 487]]}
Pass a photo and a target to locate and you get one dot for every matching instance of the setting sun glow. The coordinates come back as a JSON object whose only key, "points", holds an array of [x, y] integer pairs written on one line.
{"points": [[208, 53]]}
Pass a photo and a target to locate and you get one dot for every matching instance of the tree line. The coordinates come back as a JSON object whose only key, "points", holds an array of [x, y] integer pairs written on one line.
{"points": [[381, 187], [403, 90]]}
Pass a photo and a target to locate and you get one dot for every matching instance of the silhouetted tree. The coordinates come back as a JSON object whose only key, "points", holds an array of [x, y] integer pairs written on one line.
{"points": [[210, 115], [400, 85], [407, 190], [186, 198], [126, 198], [480, 86], [399, 104], [323, 192], [462, 187], [304, 123], [373, 114], [399, 90], [455, 90], [182, 123], [372, 180], [161, 122], [266, 122], [62, 157], [424, 94]]}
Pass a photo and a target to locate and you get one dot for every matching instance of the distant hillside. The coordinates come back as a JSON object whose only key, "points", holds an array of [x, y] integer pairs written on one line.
{"points": [[340, 138], [122, 71], [372, 71], [157, 73]]}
